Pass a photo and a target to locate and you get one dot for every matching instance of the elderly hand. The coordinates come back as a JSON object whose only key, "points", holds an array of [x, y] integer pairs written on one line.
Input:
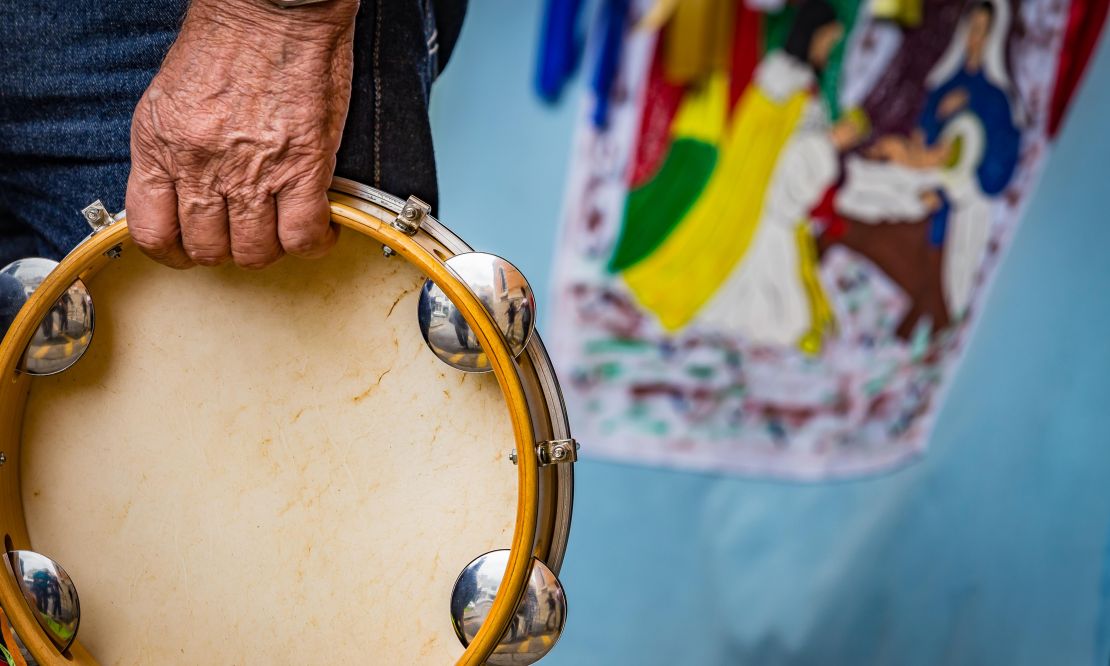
{"points": [[233, 145]]}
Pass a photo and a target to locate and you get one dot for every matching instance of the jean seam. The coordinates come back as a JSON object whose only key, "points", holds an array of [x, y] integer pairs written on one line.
{"points": [[377, 94]]}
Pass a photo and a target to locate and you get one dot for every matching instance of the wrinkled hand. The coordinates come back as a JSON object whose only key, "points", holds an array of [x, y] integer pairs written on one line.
{"points": [[233, 145]]}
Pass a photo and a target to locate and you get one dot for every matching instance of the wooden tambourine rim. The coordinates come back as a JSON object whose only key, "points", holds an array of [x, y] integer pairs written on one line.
{"points": [[89, 257]]}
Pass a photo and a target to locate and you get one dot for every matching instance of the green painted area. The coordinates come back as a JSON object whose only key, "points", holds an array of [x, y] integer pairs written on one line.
{"points": [[616, 345], [847, 10], [701, 371], [609, 371], [7, 656], [776, 26], [656, 208]]}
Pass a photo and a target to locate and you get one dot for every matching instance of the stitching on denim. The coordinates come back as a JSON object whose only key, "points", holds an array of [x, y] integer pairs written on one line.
{"points": [[377, 95]]}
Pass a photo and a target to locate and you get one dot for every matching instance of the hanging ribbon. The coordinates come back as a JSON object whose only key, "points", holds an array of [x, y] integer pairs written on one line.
{"points": [[658, 15], [698, 39], [1085, 21], [560, 48], [614, 19]]}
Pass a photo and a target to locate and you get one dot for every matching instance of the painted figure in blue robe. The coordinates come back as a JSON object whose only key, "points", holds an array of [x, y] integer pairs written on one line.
{"points": [[962, 155], [979, 85]]}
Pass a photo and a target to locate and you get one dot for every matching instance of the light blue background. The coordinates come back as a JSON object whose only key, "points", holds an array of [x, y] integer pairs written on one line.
{"points": [[990, 550]]}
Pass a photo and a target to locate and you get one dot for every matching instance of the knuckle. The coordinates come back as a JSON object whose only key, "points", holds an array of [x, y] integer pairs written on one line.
{"points": [[154, 240], [253, 247], [207, 255], [302, 234], [301, 243], [207, 251], [255, 210], [254, 260], [199, 206]]}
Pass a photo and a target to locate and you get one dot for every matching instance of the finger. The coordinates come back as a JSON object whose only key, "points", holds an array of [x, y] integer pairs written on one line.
{"points": [[204, 227], [152, 218], [254, 237], [304, 221]]}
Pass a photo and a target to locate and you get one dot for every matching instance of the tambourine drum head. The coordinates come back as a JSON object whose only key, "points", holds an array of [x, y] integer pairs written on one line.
{"points": [[266, 467]]}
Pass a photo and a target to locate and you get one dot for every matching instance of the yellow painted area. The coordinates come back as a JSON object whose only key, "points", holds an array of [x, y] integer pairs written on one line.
{"points": [[905, 12], [702, 114], [821, 316], [698, 39], [658, 15], [680, 277]]}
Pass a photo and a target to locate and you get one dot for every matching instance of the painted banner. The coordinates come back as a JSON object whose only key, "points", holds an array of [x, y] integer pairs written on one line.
{"points": [[782, 218]]}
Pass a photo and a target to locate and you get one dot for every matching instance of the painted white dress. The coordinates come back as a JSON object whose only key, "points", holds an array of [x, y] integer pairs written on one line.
{"points": [[764, 299]]}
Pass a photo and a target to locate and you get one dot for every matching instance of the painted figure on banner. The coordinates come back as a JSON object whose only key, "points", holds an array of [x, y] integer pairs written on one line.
{"points": [[739, 205], [781, 277], [962, 155]]}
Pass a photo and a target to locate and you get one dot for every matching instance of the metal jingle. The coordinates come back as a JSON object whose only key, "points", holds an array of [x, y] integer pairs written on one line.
{"points": [[505, 293], [539, 619], [50, 593], [65, 332]]}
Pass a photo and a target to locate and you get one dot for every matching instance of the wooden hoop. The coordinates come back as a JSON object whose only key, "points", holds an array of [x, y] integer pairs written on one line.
{"points": [[89, 257]]}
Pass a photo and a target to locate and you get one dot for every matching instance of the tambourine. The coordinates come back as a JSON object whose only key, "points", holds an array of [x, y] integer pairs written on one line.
{"points": [[272, 467]]}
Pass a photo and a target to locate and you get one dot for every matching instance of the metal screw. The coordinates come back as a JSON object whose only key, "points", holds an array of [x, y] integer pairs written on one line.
{"points": [[92, 215], [388, 251], [115, 252], [3, 458], [512, 456], [409, 213], [558, 453]]}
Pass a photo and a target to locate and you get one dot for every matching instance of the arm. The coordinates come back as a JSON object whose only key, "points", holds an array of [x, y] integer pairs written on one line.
{"points": [[233, 145]]}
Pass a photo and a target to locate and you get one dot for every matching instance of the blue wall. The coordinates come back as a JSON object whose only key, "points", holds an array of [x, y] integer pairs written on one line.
{"points": [[990, 550]]}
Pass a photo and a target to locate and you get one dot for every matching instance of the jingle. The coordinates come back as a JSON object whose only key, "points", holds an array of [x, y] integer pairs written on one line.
{"points": [[64, 334], [505, 293], [539, 619], [50, 593]]}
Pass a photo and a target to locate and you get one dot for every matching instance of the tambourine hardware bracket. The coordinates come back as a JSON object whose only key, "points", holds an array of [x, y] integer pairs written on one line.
{"points": [[409, 220], [553, 452], [97, 216]]}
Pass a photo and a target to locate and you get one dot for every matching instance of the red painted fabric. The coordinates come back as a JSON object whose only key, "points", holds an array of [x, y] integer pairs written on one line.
{"points": [[660, 106], [747, 48], [1086, 19]]}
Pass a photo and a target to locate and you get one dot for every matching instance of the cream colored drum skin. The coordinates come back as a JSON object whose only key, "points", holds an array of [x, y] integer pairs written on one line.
{"points": [[272, 467]]}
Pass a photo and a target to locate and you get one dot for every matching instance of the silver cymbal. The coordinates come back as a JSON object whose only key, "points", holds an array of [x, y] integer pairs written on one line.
{"points": [[50, 593], [501, 288], [539, 619], [65, 332]]}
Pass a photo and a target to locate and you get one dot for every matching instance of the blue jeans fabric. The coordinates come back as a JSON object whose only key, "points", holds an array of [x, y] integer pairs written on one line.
{"points": [[72, 71]]}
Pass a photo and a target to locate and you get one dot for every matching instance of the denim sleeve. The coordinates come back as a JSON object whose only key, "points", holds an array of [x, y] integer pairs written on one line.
{"points": [[449, 19]]}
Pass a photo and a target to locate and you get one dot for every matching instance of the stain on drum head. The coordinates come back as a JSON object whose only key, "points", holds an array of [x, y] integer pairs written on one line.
{"points": [[266, 467]]}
